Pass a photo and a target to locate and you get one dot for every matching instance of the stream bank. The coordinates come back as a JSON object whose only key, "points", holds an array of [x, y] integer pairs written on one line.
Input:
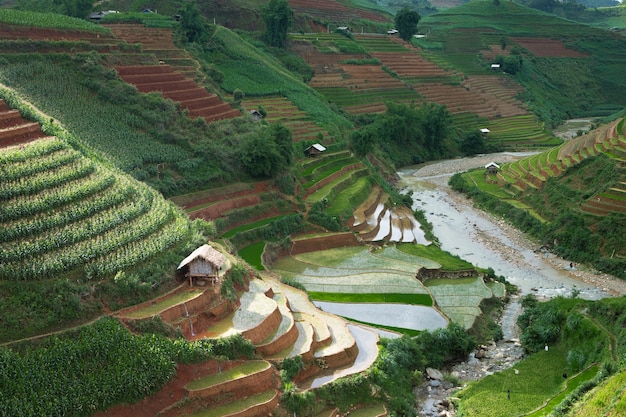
{"points": [[488, 241]]}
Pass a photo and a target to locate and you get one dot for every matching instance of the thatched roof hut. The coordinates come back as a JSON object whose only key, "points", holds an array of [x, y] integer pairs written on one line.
{"points": [[204, 262]]}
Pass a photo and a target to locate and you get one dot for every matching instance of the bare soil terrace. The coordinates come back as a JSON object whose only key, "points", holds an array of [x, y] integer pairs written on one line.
{"points": [[545, 47]]}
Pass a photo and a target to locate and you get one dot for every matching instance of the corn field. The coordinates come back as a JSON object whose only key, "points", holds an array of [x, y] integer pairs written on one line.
{"points": [[60, 211]]}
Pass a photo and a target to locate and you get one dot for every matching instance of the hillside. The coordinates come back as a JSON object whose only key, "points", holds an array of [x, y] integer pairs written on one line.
{"points": [[123, 150], [570, 198]]}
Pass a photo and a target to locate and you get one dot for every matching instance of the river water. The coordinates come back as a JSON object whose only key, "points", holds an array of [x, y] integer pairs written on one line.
{"points": [[483, 240]]}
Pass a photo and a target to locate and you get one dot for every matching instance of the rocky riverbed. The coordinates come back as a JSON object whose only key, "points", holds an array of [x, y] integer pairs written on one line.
{"points": [[487, 241]]}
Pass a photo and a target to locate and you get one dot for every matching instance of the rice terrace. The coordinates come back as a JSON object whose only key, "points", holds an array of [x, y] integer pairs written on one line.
{"points": [[201, 212]]}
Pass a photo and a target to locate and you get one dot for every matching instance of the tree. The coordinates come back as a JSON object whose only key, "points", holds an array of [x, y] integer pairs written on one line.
{"points": [[436, 122], [406, 23], [472, 143], [283, 138], [193, 26], [278, 18], [77, 8], [269, 153], [363, 141], [260, 157]]}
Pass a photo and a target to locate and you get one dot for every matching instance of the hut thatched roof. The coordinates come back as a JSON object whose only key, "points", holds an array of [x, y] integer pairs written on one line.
{"points": [[207, 253]]}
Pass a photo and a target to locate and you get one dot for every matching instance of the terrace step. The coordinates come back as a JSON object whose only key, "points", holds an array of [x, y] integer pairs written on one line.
{"points": [[365, 209], [375, 222], [9, 118], [20, 133], [333, 344], [175, 81], [324, 187], [281, 109], [240, 387], [261, 404], [286, 333], [604, 206]]}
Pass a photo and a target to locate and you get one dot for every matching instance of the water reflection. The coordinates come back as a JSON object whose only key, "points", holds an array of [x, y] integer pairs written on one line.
{"points": [[405, 316]]}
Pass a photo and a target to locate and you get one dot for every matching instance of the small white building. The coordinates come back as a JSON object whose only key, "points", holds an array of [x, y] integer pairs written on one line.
{"points": [[492, 168], [314, 150]]}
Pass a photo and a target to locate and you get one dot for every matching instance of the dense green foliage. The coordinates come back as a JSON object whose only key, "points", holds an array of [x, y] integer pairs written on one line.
{"points": [[406, 23], [408, 135], [268, 154], [103, 365], [278, 18], [193, 26], [402, 361]]}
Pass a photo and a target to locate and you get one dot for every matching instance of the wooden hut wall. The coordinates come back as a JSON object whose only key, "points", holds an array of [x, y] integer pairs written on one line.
{"points": [[201, 267]]}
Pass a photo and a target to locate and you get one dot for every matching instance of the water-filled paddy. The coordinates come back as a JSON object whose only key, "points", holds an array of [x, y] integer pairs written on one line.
{"points": [[367, 341], [405, 316]]}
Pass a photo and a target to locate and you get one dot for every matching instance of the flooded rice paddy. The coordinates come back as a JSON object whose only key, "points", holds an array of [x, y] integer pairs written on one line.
{"points": [[414, 317]]}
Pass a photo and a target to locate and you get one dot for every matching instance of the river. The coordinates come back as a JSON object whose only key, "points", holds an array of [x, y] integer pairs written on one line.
{"points": [[486, 241]]}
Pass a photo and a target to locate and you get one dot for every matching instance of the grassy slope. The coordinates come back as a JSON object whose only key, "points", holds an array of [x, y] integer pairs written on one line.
{"points": [[589, 335]]}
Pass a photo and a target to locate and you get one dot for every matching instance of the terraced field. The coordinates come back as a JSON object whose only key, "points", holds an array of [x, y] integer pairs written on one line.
{"points": [[376, 222], [520, 130], [535, 170], [14, 129], [281, 322], [281, 110], [407, 74], [544, 47], [384, 274], [157, 42], [174, 74], [95, 221], [333, 11]]}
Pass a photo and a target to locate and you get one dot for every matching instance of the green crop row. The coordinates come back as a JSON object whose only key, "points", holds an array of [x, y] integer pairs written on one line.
{"points": [[52, 198], [138, 251], [11, 172], [57, 177], [48, 20], [71, 234], [20, 228], [64, 258], [327, 170], [34, 150], [102, 365]]}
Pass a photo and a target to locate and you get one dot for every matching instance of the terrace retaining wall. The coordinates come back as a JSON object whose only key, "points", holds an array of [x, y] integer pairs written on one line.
{"points": [[264, 409], [281, 343], [424, 274], [267, 326], [194, 306], [323, 242], [239, 388]]}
